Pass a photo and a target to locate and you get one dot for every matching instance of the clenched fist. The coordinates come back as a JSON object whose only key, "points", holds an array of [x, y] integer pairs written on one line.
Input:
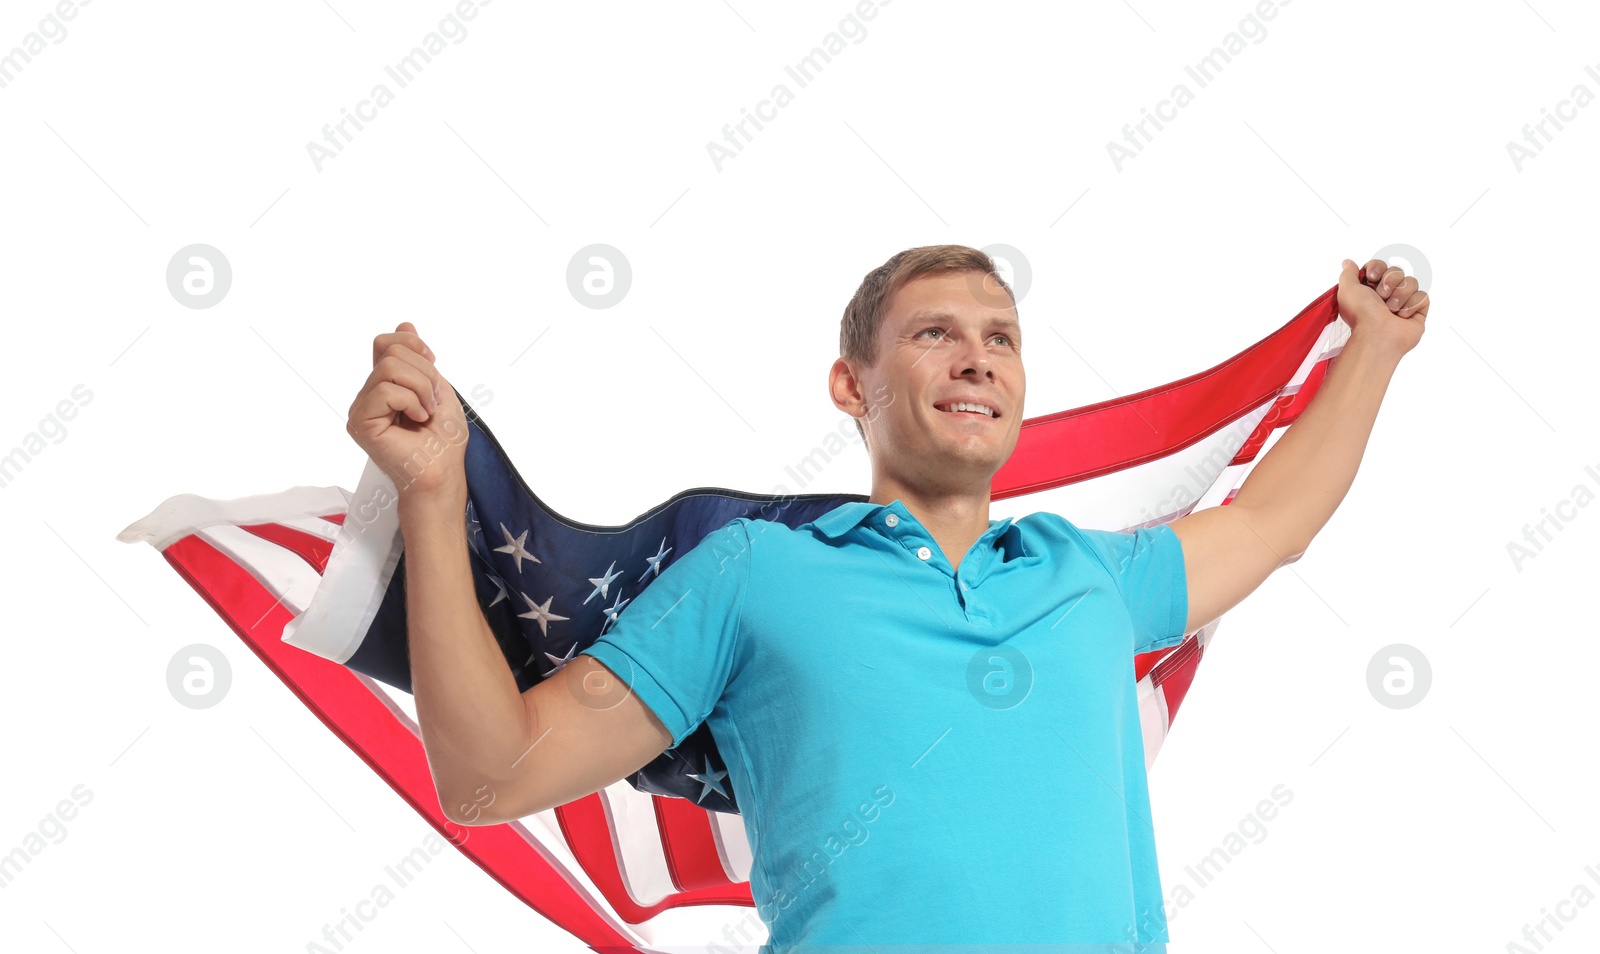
{"points": [[1381, 302], [409, 420]]}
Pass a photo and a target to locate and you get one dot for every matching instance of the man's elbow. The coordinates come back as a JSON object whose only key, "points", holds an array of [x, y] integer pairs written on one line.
{"points": [[484, 806], [1294, 552]]}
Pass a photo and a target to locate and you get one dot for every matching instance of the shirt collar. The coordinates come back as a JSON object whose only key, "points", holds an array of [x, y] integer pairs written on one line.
{"points": [[847, 516]]}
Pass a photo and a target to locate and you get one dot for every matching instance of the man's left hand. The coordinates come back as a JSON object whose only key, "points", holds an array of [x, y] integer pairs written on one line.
{"points": [[1380, 301]]}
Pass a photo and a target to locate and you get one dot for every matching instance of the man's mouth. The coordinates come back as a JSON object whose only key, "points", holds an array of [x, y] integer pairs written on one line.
{"points": [[968, 409]]}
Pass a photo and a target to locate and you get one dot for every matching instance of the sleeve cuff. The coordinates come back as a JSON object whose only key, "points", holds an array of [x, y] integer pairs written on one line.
{"points": [[644, 686], [1179, 585]]}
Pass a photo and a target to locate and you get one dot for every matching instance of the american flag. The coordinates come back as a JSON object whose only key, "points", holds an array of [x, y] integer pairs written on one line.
{"points": [[311, 579]]}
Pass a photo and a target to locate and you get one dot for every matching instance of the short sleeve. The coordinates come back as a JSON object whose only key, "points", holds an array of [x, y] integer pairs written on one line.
{"points": [[674, 644], [1147, 564]]}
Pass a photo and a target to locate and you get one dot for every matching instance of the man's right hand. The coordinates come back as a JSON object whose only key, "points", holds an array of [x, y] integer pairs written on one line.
{"points": [[408, 419]]}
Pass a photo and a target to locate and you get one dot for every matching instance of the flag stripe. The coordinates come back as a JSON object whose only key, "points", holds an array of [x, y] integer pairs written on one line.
{"points": [[1130, 430], [587, 829], [336, 695], [637, 842], [689, 841], [314, 550]]}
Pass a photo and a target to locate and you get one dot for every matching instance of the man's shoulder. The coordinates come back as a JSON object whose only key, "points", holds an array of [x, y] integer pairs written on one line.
{"points": [[777, 540], [1049, 527], [742, 533], [759, 549], [1057, 535], [774, 533]]}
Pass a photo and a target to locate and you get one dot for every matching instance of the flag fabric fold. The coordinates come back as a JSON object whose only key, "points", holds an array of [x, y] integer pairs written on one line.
{"points": [[311, 579]]}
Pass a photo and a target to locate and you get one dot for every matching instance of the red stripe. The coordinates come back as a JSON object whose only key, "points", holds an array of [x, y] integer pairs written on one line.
{"points": [[363, 721], [1085, 442], [690, 843], [588, 832], [1171, 670], [1175, 675], [1283, 412], [307, 546]]}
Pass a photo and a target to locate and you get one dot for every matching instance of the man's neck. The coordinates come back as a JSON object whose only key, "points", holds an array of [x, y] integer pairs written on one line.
{"points": [[955, 518]]}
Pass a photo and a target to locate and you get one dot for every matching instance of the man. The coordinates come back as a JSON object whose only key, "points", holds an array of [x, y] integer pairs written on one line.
{"points": [[862, 673]]}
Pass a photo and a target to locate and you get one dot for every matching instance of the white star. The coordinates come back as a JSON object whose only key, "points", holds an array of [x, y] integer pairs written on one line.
{"points": [[500, 593], [540, 613], [711, 780], [612, 611], [602, 583], [514, 547], [655, 561], [559, 661]]}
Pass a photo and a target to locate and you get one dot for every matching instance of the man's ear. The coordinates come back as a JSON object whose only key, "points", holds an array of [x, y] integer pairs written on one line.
{"points": [[846, 389]]}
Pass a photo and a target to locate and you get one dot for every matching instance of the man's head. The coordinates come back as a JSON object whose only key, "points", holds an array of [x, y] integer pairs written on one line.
{"points": [[931, 326]]}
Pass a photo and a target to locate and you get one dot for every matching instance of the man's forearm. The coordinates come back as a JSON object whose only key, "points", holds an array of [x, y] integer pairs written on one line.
{"points": [[469, 711], [1296, 486]]}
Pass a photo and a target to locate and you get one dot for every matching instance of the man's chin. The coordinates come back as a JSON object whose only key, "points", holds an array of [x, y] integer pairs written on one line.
{"points": [[976, 453]]}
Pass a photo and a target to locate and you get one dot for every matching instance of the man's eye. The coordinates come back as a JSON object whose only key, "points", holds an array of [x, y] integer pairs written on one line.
{"points": [[926, 330], [1007, 337]]}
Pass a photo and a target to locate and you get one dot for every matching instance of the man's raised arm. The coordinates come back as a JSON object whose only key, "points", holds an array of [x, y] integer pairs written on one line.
{"points": [[496, 754], [1295, 488]]}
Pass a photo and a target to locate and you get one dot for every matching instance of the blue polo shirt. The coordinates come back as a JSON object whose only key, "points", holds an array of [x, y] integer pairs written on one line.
{"points": [[922, 755]]}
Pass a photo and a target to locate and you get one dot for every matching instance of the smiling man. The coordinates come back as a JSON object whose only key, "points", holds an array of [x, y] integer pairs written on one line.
{"points": [[895, 796]]}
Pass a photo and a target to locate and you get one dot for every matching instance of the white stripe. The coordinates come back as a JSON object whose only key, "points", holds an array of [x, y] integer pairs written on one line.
{"points": [[316, 526], [402, 703], [365, 554], [179, 516], [709, 929], [1160, 490], [1153, 718], [733, 844], [1147, 493], [636, 838], [630, 815], [541, 830], [280, 571]]}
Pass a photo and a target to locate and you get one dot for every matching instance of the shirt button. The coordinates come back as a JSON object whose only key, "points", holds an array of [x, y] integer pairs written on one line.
{"points": [[923, 553], [892, 519]]}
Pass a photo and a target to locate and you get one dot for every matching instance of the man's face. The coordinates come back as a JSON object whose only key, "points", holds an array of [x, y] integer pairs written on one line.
{"points": [[945, 338]]}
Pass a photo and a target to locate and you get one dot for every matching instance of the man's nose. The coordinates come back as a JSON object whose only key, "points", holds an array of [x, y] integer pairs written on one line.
{"points": [[974, 357]]}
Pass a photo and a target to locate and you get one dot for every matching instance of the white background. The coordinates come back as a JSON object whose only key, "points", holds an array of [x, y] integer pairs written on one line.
{"points": [[1347, 127]]}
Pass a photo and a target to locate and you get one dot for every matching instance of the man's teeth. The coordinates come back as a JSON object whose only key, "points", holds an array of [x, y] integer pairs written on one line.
{"points": [[964, 406]]}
